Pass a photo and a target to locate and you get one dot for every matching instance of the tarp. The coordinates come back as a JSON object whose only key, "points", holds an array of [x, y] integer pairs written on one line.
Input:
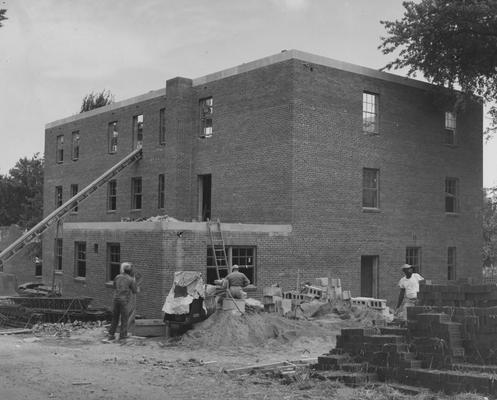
{"points": [[187, 286]]}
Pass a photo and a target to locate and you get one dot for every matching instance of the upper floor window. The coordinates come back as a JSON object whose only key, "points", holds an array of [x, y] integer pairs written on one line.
{"points": [[138, 130], [59, 156], [370, 112], [206, 111], [112, 135], [450, 128], [75, 146], [112, 195], [413, 258], [162, 126], [80, 259], [58, 196], [74, 192], [370, 188], [451, 263], [161, 191], [136, 193], [451, 195]]}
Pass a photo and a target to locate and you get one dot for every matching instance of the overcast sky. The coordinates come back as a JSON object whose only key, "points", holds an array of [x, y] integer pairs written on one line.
{"points": [[53, 52]]}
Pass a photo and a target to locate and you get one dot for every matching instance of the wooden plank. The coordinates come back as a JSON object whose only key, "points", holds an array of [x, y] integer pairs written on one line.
{"points": [[14, 331], [295, 363]]}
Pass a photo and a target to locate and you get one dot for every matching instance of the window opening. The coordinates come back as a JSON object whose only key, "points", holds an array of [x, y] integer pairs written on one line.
{"points": [[74, 192], [113, 135], [451, 195], [136, 193], [370, 188], [75, 145], [58, 196], [450, 128], [138, 130], [451, 263], [243, 256], [59, 157], [370, 112], [38, 266], [162, 126], [80, 259], [413, 258], [58, 254], [161, 190], [206, 108], [112, 195], [113, 260], [369, 276]]}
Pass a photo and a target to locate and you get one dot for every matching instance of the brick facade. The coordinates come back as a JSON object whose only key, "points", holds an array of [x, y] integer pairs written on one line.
{"points": [[287, 148]]}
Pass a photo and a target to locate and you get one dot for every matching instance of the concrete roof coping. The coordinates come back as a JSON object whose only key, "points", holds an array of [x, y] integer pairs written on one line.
{"points": [[282, 229], [250, 66]]}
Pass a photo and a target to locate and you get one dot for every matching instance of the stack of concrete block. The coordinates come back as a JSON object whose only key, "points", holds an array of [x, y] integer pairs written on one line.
{"points": [[272, 297], [458, 294]]}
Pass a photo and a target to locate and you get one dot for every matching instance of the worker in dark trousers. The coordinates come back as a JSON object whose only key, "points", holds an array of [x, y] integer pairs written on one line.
{"points": [[124, 287], [236, 281]]}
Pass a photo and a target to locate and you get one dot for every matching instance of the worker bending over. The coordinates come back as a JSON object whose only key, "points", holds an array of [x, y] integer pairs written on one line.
{"points": [[236, 281], [409, 288]]}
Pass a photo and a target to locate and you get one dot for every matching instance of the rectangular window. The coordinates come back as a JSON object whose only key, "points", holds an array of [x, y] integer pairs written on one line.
{"points": [[80, 259], [451, 263], [161, 190], [74, 192], [58, 196], [113, 260], [370, 112], [162, 126], [59, 156], [451, 195], [112, 136], [138, 130], [370, 188], [112, 195], [243, 256], [413, 258], [75, 146], [206, 111], [136, 193], [58, 254], [450, 128]]}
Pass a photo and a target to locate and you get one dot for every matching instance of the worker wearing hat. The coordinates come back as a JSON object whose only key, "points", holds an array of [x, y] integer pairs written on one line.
{"points": [[409, 288], [236, 281]]}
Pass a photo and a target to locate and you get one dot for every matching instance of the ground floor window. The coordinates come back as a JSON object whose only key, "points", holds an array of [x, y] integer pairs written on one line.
{"points": [[113, 260], [58, 254], [413, 258], [38, 266], [80, 259], [451, 263], [243, 256]]}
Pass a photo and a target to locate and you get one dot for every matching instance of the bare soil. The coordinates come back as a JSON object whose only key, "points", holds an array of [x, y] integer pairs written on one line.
{"points": [[194, 366]]}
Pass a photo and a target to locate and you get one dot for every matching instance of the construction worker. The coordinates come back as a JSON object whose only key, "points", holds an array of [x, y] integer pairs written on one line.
{"points": [[409, 288], [236, 281], [124, 288]]}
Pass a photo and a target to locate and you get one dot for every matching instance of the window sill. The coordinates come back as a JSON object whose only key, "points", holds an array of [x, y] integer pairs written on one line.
{"points": [[370, 210], [452, 214], [369, 133], [111, 211], [109, 284], [58, 272], [135, 210], [451, 145], [39, 277], [81, 279]]}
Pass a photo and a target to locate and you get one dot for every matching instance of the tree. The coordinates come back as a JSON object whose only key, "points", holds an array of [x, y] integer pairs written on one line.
{"points": [[2, 16], [452, 42], [95, 100], [21, 193]]}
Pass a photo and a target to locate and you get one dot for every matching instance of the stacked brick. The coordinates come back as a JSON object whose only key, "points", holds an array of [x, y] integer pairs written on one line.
{"points": [[458, 295]]}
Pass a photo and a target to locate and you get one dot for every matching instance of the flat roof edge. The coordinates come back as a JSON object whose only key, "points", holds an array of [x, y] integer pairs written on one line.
{"points": [[178, 225], [118, 104]]}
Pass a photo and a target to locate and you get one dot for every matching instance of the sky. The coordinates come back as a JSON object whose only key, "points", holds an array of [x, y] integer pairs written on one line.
{"points": [[54, 52]]}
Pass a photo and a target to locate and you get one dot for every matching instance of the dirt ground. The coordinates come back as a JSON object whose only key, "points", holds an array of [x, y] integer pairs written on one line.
{"points": [[194, 366]]}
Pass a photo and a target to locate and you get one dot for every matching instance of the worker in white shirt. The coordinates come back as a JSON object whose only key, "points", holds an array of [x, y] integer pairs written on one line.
{"points": [[409, 288]]}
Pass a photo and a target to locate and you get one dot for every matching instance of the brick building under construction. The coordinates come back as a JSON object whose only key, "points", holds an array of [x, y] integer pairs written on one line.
{"points": [[314, 167]]}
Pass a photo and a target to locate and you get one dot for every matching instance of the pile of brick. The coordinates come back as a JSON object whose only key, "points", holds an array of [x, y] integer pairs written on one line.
{"points": [[458, 294]]}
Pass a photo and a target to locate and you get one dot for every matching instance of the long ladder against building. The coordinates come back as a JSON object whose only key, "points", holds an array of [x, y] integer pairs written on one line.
{"points": [[65, 208], [218, 246]]}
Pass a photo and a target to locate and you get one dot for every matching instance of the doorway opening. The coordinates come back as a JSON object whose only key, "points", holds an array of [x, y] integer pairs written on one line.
{"points": [[204, 197], [369, 276]]}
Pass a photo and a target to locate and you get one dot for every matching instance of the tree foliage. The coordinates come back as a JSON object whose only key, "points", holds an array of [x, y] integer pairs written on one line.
{"points": [[21, 193], [95, 100], [2, 15], [452, 42]]}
